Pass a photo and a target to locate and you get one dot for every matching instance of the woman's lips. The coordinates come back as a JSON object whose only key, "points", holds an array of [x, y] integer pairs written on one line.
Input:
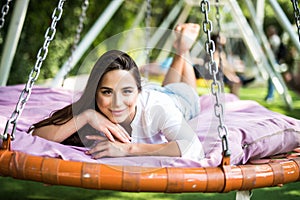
{"points": [[117, 112]]}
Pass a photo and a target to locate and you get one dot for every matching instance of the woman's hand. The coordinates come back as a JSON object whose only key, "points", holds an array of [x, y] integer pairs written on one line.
{"points": [[102, 124], [106, 148]]}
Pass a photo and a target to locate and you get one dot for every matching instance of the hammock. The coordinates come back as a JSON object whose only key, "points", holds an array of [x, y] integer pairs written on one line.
{"points": [[255, 132]]}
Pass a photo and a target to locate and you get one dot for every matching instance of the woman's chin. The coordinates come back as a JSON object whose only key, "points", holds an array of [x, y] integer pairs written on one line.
{"points": [[117, 120]]}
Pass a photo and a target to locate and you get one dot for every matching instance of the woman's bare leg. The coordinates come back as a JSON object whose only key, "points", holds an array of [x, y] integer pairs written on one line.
{"points": [[188, 73], [181, 69]]}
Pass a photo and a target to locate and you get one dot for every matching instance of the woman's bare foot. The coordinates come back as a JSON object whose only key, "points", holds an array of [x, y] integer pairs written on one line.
{"points": [[181, 69], [186, 37]]}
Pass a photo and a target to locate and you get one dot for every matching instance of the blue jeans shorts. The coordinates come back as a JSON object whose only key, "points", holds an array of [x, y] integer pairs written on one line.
{"points": [[184, 96]]}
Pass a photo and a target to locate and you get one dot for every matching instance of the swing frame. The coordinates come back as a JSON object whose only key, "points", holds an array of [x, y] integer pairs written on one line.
{"points": [[224, 178]]}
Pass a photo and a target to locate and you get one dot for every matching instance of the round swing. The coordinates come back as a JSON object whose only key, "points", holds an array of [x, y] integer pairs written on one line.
{"points": [[223, 178]]}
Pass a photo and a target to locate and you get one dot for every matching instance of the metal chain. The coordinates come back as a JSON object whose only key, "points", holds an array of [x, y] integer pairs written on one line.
{"points": [[297, 15], [41, 56], [220, 47], [82, 17], [216, 86], [4, 12], [218, 16]]}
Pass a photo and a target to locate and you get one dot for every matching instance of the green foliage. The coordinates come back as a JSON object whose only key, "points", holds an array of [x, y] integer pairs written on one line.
{"points": [[270, 18], [38, 19]]}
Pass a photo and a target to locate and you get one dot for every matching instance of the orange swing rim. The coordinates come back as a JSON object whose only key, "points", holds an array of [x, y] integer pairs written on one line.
{"points": [[225, 178]]}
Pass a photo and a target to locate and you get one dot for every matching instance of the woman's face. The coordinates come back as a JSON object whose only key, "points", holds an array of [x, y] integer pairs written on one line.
{"points": [[117, 95]]}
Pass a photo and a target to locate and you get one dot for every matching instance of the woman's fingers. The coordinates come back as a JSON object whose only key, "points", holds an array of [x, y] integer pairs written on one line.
{"points": [[110, 129], [99, 150], [108, 134], [118, 132], [113, 131], [124, 132], [95, 137], [106, 148]]}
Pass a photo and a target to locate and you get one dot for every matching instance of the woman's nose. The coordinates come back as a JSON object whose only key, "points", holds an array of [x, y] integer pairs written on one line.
{"points": [[117, 99]]}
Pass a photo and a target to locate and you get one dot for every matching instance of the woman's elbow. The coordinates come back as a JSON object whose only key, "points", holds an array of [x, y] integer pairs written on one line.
{"points": [[46, 134]]}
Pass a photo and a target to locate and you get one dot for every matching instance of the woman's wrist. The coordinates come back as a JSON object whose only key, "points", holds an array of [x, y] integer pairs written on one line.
{"points": [[135, 149], [165, 149], [131, 149], [86, 115]]}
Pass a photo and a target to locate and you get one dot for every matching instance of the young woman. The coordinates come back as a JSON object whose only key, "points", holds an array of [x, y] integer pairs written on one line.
{"points": [[116, 116]]}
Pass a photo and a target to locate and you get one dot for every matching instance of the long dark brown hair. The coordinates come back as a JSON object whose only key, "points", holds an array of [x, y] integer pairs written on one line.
{"points": [[111, 60]]}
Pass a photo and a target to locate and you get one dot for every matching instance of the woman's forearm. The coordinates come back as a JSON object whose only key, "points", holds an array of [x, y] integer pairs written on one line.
{"points": [[59, 133], [105, 148], [165, 149]]}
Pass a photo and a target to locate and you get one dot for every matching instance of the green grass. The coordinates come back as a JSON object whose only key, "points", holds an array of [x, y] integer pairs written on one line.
{"points": [[20, 189]]}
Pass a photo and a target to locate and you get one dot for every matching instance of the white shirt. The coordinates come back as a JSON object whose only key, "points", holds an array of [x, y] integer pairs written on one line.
{"points": [[158, 120]]}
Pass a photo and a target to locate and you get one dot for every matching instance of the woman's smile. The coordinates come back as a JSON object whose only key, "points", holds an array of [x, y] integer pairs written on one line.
{"points": [[118, 112]]}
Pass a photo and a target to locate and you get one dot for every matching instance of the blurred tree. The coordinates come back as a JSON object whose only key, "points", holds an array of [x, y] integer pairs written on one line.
{"points": [[39, 18]]}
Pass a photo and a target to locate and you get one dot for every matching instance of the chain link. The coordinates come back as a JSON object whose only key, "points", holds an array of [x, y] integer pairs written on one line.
{"points": [[218, 16], [41, 56], [220, 47], [82, 17], [297, 15], [216, 86], [4, 12]]}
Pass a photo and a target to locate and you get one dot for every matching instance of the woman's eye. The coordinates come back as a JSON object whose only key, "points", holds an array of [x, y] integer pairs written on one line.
{"points": [[127, 91], [106, 92]]}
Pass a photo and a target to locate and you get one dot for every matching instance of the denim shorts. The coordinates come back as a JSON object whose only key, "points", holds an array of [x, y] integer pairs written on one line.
{"points": [[184, 96]]}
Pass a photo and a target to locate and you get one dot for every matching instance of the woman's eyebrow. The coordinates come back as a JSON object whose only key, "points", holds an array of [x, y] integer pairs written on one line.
{"points": [[105, 88], [108, 88], [128, 87]]}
